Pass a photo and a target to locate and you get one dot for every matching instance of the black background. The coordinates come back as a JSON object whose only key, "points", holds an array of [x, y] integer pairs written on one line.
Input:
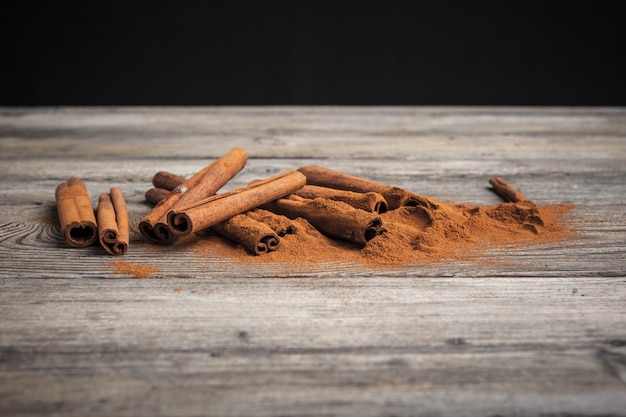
{"points": [[314, 52]]}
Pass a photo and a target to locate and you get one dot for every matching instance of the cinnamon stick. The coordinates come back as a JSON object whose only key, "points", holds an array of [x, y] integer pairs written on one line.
{"points": [[203, 184], [505, 190], [395, 196], [76, 216], [255, 236], [333, 218], [210, 211], [368, 201], [113, 228]]}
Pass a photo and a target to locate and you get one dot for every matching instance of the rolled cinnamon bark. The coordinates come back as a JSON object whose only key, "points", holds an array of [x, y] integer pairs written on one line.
{"points": [[76, 216], [281, 225], [206, 182], [395, 197], [255, 236], [210, 211], [113, 226], [333, 218], [368, 201], [506, 191]]}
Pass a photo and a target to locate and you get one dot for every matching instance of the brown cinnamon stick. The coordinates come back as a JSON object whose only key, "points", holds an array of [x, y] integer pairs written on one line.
{"points": [[368, 201], [203, 184], [395, 196], [113, 226], [76, 216], [333, 218], [255, 236], [210, 211], [506, 191]]}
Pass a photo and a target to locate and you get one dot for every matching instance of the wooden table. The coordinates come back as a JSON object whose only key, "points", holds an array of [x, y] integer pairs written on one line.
{"points": [[540, 332]]}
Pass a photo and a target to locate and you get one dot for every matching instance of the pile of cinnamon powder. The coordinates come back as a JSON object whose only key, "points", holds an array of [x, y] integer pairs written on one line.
{"points": [[414, 235]]}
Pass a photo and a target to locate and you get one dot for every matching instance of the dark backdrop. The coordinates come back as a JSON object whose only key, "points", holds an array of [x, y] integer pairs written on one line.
{"points": [[314, 52]]}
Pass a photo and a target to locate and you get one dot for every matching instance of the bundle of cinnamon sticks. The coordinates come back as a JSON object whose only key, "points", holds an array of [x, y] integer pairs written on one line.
{"points": [[338, 205], [78, 220]]}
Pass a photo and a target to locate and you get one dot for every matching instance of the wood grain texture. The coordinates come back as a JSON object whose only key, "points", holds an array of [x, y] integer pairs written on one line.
{"points": [[539, 330]]}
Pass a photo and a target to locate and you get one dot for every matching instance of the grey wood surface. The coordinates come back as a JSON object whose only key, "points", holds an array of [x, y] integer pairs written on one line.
{"points": [[538, 330]]}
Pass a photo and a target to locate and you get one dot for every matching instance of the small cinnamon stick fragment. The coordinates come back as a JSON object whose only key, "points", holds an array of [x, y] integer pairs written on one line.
{"points": [[255, 236], [368, 201], [78, 221], [506, 191], [333, 218], [210, 211], [203, 184], [113, 226], [395, 197]]}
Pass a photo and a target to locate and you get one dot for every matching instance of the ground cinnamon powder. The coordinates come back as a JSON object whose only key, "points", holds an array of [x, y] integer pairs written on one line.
{"points": [[133, 270], [414, 235]]}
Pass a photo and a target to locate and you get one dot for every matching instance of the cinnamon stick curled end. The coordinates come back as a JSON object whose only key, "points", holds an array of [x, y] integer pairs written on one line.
{"points": [[113, 228], [76, 216], [157, 233]]}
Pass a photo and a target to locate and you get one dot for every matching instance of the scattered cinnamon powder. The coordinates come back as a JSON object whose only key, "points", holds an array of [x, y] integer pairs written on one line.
{"points": [[133, 270]]}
